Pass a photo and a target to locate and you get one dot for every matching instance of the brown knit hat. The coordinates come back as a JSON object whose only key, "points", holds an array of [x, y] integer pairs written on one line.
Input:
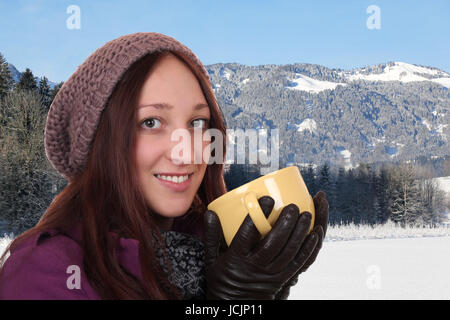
{"points": [[75, 112]]}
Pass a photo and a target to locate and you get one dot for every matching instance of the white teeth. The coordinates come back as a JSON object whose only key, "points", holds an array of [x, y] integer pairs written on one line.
{"points": [[175, 179]]}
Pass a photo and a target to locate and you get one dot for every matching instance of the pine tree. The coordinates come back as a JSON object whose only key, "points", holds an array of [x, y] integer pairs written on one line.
{"points": [[432, 202], [342, 197], [362, 189], [325, 178], [382, 190], [27, 81], [332, 194], [405, 206], [353, 193], [26, 176], [325, 184], [373, 206], [6, 80], [55, 90], [309, 177], [44, 91], [377, 211]]}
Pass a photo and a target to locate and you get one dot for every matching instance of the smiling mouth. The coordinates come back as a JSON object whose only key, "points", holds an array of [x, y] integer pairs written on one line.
{"points": [[173, 178], [176, 183]]}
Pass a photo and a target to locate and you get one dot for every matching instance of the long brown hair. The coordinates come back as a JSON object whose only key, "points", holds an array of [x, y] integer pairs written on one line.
{"points": [[106, 196]]}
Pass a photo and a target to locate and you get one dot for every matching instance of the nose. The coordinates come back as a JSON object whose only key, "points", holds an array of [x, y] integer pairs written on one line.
{"points": [[185, 146]]}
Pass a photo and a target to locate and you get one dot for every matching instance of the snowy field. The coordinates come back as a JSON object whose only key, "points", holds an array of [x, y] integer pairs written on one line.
{"points": [[361, 262], [385, 262], [388, 230], [407, 268]]}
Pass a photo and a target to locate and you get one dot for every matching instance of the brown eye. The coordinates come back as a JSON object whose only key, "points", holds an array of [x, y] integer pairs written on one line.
{"points": [[150, 123]]}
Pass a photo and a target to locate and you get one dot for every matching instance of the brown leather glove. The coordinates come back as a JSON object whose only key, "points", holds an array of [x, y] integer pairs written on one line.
{"points": [[320, 228], [255, 268]]}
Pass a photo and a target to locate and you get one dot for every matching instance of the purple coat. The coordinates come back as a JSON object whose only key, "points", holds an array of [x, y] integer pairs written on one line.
{"points": [[50, 266]]}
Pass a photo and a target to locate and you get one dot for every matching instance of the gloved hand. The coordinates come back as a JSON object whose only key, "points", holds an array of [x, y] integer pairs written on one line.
{"points": [[255, 268], [320, 228]]}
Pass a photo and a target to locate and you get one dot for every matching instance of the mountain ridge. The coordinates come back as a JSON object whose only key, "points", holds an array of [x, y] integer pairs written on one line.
{"points": [[327, 115], [338, 116]]}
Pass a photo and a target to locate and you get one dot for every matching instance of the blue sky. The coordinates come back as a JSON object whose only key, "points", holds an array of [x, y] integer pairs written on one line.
{"points": [[253, 32]]}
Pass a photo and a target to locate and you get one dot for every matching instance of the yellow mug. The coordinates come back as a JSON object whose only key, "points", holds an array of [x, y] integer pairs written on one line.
{"points": [[285, 186]]}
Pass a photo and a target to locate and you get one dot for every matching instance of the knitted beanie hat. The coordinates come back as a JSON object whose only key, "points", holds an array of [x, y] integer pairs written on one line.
{"points": [[75, 111]]}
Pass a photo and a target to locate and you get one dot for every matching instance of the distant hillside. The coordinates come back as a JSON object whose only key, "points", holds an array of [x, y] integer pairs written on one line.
{"points": [[392, 111]]}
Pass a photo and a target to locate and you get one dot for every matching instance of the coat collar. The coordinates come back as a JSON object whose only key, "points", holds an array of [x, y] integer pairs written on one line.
{"points": [[127, 250]]}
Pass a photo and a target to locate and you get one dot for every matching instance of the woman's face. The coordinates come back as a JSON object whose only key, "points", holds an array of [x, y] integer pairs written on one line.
{"points": [[171, 99]]}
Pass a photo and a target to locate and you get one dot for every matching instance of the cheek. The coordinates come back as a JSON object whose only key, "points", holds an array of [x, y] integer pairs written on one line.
{"points": [[147, 153]]}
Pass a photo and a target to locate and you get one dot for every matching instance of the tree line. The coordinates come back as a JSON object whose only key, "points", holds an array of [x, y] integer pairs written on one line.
{"points": [[401, 192], [28, 182], [27, 83]]}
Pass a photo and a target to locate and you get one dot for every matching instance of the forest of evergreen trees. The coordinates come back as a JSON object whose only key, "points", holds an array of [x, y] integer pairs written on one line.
{"points": [[28, 182], [375, 121], [402, 192]]}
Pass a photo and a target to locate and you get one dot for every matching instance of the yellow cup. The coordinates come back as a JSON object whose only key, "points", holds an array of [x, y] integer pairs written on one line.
{"points": [[285, 186]]}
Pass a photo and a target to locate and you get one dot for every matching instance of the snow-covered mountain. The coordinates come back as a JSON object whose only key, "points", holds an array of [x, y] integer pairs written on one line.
{"points": [[16, 74], [400, 71], [393, 71], [385, 112]]}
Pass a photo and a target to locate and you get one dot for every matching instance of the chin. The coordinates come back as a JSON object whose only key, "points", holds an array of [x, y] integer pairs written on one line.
{"points": [[172, 213], [173, 209]]}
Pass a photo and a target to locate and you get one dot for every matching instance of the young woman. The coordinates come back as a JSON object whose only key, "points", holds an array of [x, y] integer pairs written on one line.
{"points": [[131, 223]]}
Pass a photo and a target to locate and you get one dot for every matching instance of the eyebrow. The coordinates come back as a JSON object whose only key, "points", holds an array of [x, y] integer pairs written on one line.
{"points": [[165, 105]]}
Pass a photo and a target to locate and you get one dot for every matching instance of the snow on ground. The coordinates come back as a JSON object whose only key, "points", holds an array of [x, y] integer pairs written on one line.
{"points": [[444, 183], [305, 83], [440, 129], [388, 230], [445, 82], [307, 124], [403, 72], [398, 71], [385, 262], [409, 268], [346, 154], [427, 124], [225, 73]]}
